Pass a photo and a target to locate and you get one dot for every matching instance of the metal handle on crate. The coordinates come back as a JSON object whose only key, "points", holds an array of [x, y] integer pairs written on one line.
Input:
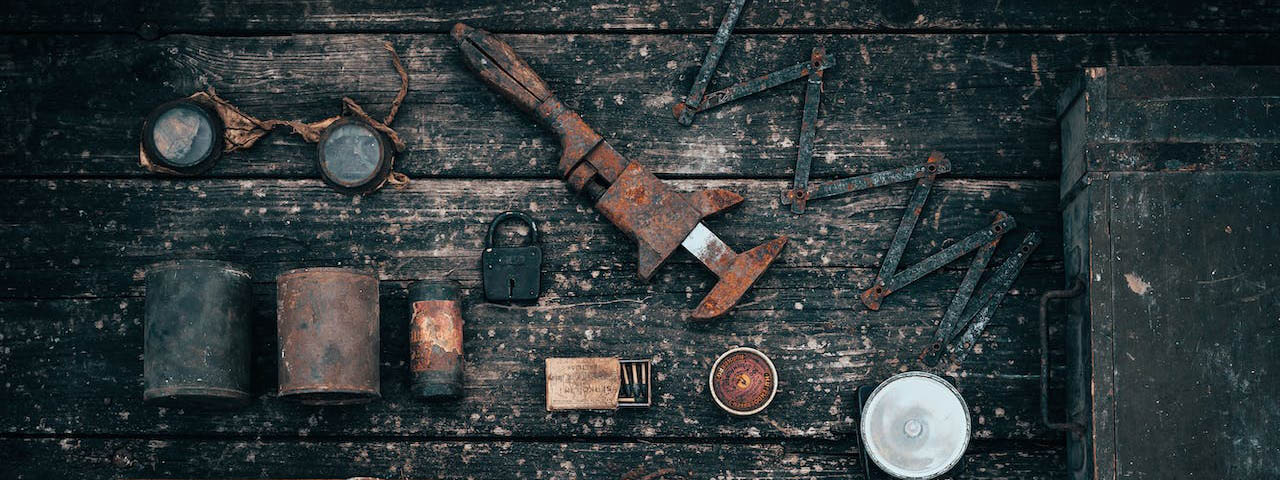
{"points": [[1077, 289]]}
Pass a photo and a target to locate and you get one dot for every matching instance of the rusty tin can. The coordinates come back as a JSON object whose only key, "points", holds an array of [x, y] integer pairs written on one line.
{"points": [[327, 322], [196, 340], [743, 381], [435, 339]]}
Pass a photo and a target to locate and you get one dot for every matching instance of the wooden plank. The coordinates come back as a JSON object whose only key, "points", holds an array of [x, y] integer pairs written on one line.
{"points": [[73, 104], [134, 458], [73, 366], [112, 229], [806, 309], [582, 15]]}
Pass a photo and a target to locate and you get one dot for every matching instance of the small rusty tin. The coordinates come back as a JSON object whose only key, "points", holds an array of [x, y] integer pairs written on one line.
{"points": [[435, 339], [327, 322], [743, 381], [196, 340]]}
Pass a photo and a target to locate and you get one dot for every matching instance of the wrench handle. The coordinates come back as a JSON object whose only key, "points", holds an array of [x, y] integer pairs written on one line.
{"points": [[498, 65]]}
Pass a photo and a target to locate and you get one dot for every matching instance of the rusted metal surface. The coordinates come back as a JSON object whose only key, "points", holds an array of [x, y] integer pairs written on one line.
{"points": [[888, 283], [743, 381], [889, 279], [1077, 289], [936, 164], [972, 315], [690, 104], [196, 340], [327, 322], [695, 102], [759, 84], [658, 218], [435, 339], [808, 128]]}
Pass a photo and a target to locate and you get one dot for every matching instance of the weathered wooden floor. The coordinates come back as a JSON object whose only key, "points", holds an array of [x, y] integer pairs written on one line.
{"points": [[975, 80]]}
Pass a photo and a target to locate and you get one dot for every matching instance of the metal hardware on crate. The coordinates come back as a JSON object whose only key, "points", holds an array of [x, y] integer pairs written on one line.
{"points": [[658, 218], [889, 279], [1077, 289], [512, 273], [973, 313]]}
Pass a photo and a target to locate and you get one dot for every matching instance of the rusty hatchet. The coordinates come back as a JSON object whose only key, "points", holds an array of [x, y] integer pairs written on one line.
{"points": [[646, 209]]}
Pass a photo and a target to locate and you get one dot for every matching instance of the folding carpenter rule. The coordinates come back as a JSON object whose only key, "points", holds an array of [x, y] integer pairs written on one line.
{"points": [[696, 102], [961, 312]]}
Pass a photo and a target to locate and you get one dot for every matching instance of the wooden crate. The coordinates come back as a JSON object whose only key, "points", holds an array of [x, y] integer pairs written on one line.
{"points": [[1171, 210]]}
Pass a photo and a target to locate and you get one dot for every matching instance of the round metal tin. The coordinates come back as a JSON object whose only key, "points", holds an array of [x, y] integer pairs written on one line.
{"points": [[183, 135], [915, 426], [327, 323], [353, 157], [196, 340], [743, 381]]}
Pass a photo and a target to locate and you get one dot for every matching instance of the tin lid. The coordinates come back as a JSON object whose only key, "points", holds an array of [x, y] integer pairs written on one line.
{"points": [[353, 156], [915, 425], [309, 270], [743, 381], [183, 135], [197, 263], [440, 289]]}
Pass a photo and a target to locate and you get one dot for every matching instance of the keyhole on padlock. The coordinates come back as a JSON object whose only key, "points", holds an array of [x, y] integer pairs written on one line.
{"points": [[511, 287]]}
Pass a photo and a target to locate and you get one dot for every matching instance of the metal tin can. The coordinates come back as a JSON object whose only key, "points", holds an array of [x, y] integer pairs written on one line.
{"points": [[327, 322], [743, 381], [435, 339], [196, 340], [915, 426]]}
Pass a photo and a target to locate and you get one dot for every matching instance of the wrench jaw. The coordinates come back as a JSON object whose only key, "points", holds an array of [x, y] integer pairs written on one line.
{"points": [[738, 277]]}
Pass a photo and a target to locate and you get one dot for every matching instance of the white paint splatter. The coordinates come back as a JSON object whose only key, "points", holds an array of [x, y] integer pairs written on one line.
{"points": [[1136, 284]]}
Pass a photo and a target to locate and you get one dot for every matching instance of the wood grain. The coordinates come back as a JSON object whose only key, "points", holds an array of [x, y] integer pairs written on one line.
{"points": [[986, 101], [453, 459], [212, 16], [108, 231]]}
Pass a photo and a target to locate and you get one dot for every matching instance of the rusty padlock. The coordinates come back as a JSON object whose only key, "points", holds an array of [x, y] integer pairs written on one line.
{"points": [[512, 273]]}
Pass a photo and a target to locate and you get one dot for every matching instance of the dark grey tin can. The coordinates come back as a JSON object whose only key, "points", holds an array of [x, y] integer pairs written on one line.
{"points": [[327, 322], [435, 338], [196, 339]]}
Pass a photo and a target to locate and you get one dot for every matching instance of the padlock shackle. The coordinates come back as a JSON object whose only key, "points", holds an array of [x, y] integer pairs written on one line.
{"points": [[531, 239]]}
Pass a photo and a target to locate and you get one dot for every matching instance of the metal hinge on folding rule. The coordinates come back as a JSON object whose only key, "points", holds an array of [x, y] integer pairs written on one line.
{"points": [[696, 102], [890, 279]]}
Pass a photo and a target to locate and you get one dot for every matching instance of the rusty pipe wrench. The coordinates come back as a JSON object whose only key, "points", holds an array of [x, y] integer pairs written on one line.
{"points": [[658, 218]]}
